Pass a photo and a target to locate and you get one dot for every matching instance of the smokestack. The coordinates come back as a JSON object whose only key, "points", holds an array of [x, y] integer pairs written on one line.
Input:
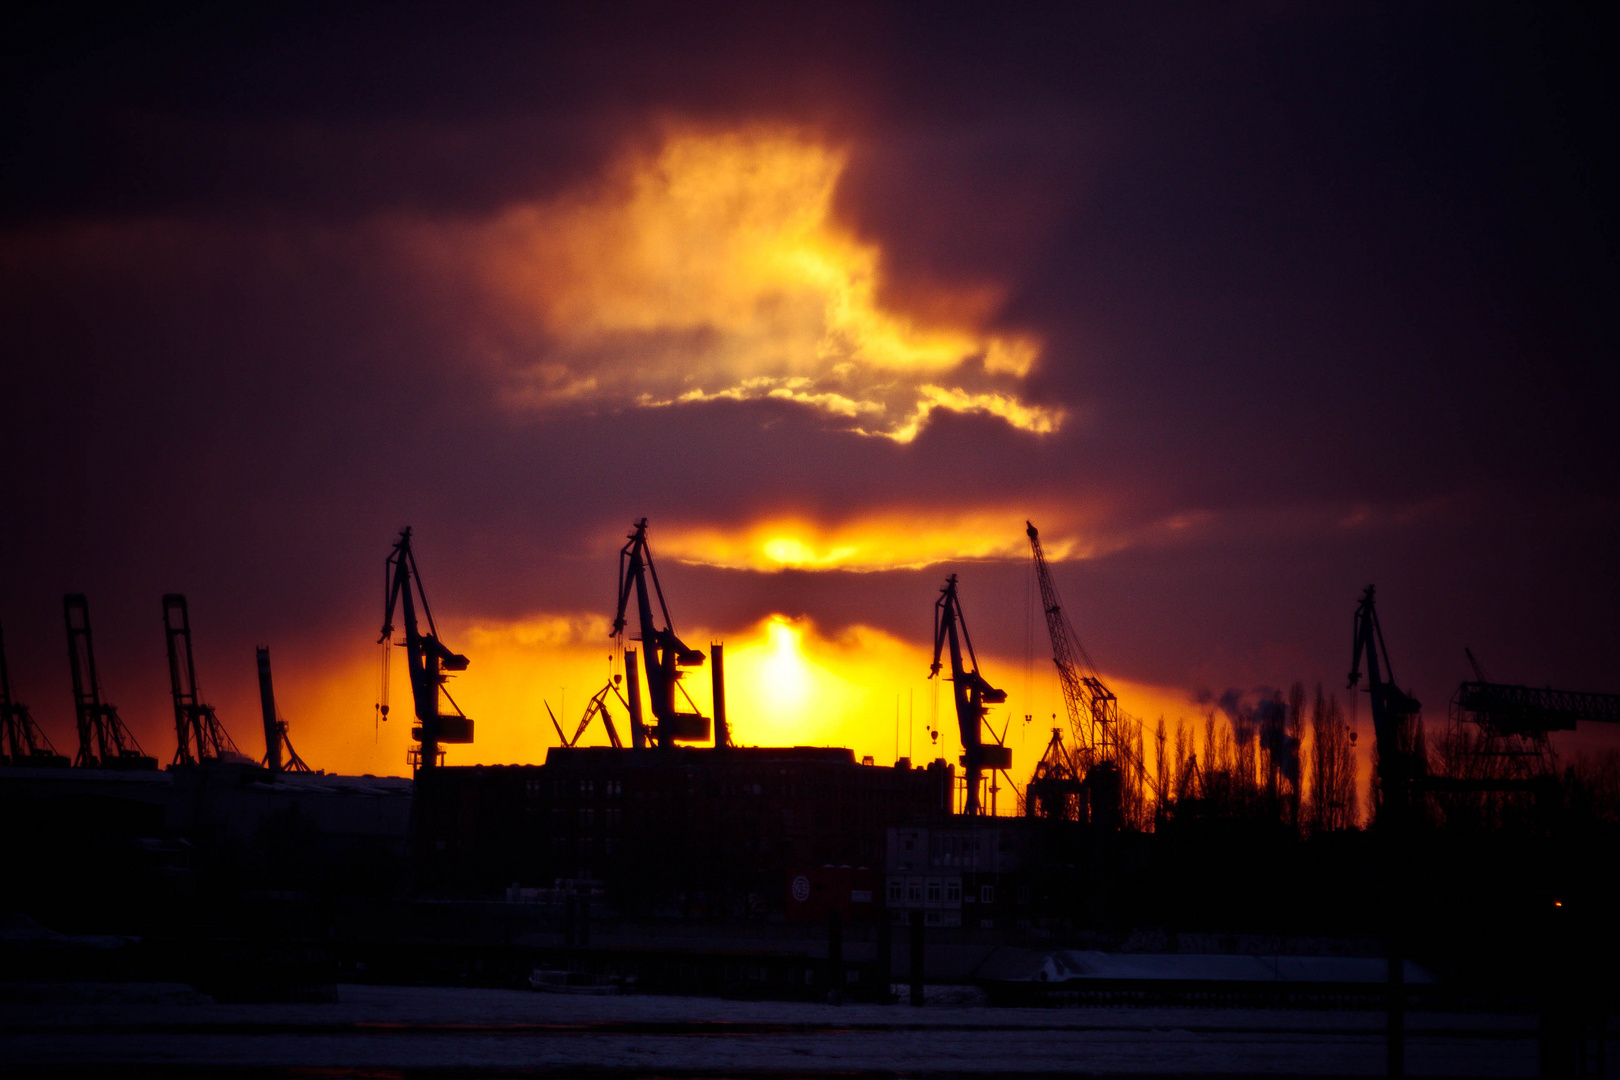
{"points": [[717, 657], [267, 701], [632, 692]]}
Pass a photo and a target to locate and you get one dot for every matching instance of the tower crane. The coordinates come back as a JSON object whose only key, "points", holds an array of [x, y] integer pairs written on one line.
{"points": [[971, 691], [428, 658], [199, 736], [21, 740], [664, 653], [1394, 714], [104, 741]]}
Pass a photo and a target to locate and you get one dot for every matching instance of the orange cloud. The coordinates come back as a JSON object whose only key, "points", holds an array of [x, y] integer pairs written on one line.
{"points": [[906, 538], [714, 268]]}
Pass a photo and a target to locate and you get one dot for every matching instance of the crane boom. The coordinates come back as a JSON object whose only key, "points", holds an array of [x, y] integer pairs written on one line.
{"points": [[1514, 710], [427, 656], [1091, 706]]}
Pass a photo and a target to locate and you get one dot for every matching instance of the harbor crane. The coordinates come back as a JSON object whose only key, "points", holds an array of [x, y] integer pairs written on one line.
{"points": [[971, 691], [199, 736], [22, 743], [428, 658], [664, 653], [276, 741], [104, 741], [597, 706], [1395, 715], [1092, 708]]}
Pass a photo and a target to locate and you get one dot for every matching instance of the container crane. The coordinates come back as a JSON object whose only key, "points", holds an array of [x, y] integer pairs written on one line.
{"points": [[1394, 711], [104, 741], [21, 741], [663, 653], [276, 741], [199, 736], [426, 655], [971, 691]]}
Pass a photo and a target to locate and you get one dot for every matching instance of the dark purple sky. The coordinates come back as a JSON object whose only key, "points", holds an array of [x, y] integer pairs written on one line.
{"points": [[1332, 286]]}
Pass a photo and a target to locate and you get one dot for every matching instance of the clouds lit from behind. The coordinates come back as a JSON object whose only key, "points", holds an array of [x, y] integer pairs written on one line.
{"points": [[714, 268]]}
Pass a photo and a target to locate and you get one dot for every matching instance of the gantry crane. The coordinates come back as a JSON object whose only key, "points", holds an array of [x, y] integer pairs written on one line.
{"points": [[1395, 714], [276, 741], [104, 741], [426, 655], [199, 736], [664, 653], [21, 740], [971, 691]]}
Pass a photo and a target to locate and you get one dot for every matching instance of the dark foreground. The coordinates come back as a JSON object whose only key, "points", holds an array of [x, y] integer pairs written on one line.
{"points": [[151, 1030]]}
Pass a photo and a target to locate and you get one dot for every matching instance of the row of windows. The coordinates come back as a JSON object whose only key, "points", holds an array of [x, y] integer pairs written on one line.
{"points": [[934, 891]]}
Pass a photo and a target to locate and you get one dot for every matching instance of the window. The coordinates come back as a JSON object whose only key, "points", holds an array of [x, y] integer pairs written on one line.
{"points": [[910, 844], [953, 892], [896, 891], [914, 891], [933, 892], [587, 789], [987, 894], [587, 817]]}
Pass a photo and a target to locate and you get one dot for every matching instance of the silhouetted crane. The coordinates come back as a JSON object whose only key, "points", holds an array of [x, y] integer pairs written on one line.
{"points": [[427, 656], [21, 740], [104, 741], [1395, 715], [971, 691], [276, 741], [664, 654], [199, 736], [594, 707]]}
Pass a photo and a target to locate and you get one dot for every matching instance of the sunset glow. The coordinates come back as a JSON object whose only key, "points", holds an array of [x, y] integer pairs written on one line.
{"points": [[715, 268], [895, 540]]}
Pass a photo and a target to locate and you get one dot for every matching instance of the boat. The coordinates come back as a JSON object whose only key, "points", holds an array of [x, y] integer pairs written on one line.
{"points": [[556, 981]]}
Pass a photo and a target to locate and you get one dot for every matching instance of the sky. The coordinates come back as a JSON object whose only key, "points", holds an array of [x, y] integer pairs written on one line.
{"points": [[1245, 306]]}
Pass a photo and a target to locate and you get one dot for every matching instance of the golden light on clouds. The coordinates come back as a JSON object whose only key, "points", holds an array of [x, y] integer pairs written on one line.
{"points": [[902, 539], [715, 268]]}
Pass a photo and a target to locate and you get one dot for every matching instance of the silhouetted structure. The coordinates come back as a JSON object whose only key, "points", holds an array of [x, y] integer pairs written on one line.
{"points": [[664, 653], [971, 693], [104, 741], [426, 656], [276, 741], [21, 740], [199, 736], [680, 830]]}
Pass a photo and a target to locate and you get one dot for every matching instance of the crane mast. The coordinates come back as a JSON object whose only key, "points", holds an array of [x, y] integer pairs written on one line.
{"points": [[1393, 710], [427, 657], [971, 691], [21, 740], [199, 736], [663, 653], [104, 741]]}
